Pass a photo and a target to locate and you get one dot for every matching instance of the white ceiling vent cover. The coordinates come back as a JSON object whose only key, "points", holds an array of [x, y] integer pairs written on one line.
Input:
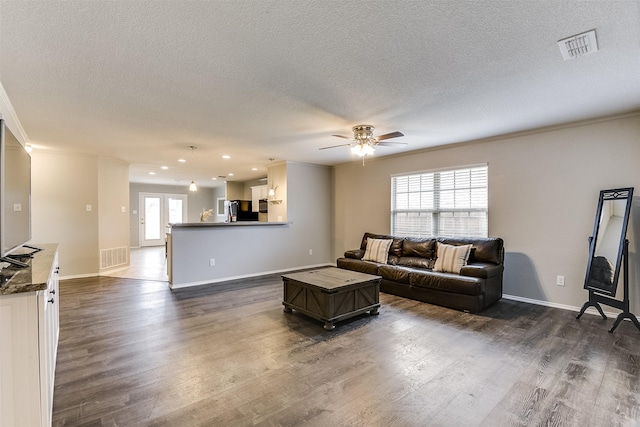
{"points": [[578, 45]]}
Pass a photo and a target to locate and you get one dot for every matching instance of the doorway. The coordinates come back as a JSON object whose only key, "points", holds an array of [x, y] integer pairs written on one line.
{"points": [[157, 211]]}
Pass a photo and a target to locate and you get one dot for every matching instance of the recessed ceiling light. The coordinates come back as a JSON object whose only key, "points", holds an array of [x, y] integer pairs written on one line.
{"points": [[254, 169], [152, 173], [214, 178], [182, 160], [164, 167], [226, 157], [230, 174]]}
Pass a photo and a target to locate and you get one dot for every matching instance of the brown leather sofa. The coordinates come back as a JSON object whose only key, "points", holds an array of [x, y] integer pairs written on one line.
{"points": [[409, 271]]}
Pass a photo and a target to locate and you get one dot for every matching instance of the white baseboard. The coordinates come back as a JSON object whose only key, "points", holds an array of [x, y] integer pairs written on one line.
{"points": [[113, 270], [78, 276], [244, 276], [589, 310]]}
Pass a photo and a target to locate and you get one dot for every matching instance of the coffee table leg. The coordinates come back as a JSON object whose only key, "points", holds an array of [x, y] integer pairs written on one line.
{"points": [[374, 311], [329, 326], [287, 309]]}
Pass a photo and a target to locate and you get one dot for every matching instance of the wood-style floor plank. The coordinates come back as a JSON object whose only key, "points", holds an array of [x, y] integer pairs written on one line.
{"points": [[133, 352]]}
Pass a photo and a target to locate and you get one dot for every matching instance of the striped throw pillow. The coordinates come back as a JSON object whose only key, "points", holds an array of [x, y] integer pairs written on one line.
{"points": [[451, 258], [377, 250]]}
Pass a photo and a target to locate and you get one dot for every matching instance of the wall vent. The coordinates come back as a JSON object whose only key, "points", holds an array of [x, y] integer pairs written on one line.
{"points": [[114, 257], [578, 45]]}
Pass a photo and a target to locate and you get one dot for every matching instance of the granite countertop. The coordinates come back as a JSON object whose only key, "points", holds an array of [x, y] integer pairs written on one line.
{"points": [[14, 280]]}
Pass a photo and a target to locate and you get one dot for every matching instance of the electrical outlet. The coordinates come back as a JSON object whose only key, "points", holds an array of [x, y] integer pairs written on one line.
{"points": [[17, 207], [310, 251], [88, 208], [560, 281], [212, 262]]}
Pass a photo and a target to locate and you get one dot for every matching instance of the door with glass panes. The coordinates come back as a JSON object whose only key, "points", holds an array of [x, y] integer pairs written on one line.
{"points": [[157, 211]]}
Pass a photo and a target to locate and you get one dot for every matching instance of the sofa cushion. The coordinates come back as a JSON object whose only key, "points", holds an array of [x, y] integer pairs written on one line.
{"points": [[377, 250], [394, 273], [368, 267], [396, 246], [451, 258], [414, 261], [448, 282], [416, 247], [489, 249], [393, 260]]}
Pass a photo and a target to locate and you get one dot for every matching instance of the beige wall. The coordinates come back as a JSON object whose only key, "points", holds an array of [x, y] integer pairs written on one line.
{"points": [[279, 178], [62, 186], [543, 192], [235, 191], [113, 198]]}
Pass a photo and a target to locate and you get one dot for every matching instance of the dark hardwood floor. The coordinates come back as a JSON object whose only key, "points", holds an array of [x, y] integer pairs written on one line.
{"points": [[133, 352]]}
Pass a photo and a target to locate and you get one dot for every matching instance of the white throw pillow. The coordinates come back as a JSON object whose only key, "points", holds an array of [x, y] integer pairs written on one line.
{"points": [[450, 259], [377, 250]]}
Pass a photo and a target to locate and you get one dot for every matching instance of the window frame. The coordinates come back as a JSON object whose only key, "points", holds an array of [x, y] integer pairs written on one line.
{"points": [[435, 213]]}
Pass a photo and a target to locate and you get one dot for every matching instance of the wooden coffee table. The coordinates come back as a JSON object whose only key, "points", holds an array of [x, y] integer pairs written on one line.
{"points": [[331, 294]]}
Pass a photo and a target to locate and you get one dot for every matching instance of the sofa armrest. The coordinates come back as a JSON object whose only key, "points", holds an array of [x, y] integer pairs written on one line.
{"points": [[354, 253], [482, 270]]}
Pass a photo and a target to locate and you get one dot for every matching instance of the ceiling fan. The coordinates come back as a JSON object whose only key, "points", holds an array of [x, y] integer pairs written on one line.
{"points": [[363, 142]]}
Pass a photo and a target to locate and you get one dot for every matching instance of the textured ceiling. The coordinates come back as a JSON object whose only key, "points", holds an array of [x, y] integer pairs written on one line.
{"points": [[143, 80]]}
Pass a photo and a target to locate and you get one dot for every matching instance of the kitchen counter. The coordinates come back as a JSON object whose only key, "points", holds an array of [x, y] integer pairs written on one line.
{"points": [[229, 224], [14, 280]]}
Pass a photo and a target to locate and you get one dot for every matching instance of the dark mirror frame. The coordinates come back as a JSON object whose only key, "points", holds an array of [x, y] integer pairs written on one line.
{"points": [[596, 285]]}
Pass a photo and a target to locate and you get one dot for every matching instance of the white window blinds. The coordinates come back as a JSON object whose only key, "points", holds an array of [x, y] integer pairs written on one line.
{"points": [[447, 203]]}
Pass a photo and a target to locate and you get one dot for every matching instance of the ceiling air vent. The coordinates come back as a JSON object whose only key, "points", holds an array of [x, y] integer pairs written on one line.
{"points": [[578, 45]]}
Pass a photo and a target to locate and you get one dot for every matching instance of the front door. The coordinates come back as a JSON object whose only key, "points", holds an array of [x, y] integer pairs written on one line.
{"points": [[156, 212]]}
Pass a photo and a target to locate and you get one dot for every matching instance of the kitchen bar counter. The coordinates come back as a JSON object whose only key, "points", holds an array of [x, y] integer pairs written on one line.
{"points": [[14, 280], [228, 224]]}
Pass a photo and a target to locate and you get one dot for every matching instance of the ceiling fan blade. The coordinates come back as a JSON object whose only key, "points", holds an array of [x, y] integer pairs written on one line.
{"points": [[334, 146], [391, 143], [342, 136], [389, 135]]}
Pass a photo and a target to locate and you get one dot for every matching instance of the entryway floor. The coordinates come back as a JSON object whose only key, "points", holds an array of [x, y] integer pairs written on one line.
{"points": [[148, 263]]}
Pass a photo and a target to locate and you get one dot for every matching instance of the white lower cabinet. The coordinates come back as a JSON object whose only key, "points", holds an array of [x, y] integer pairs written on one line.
{"points": [[29, 330]]}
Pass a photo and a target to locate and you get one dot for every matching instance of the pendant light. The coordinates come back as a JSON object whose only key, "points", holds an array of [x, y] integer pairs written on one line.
{"points": [[193, 187]]}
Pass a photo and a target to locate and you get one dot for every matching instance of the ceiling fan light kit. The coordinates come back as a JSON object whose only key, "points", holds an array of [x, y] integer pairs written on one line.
{"points": [[364, 142], [364, 149]]}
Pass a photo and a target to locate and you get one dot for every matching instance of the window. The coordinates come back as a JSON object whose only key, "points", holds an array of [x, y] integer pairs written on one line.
{"points": [[446, 203]]}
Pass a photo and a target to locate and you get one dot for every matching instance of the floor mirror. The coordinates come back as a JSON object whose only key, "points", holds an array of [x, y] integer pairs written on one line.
{"points": [[608, 254]]}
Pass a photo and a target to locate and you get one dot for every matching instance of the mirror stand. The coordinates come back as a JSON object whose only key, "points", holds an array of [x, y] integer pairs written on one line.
{"points": [[596, 299]]}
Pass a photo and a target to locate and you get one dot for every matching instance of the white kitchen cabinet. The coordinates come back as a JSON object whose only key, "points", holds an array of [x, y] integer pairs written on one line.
{"points": [[29, 326], [258, 193]]}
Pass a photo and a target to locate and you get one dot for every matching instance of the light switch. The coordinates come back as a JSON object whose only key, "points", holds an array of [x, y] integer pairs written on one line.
{"points": [[123, 209], [88, 208], [17, 207]]}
